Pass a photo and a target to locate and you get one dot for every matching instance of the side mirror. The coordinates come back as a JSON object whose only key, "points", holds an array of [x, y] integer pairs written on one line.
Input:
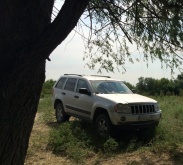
{"points": [[133, 90], [84, 91]]}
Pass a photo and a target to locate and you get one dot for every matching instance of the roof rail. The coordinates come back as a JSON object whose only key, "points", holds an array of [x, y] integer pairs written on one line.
{"points": [[101, 76], [73, 75]]}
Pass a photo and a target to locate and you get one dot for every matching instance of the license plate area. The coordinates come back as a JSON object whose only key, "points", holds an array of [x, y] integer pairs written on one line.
{"points": [[145, 117]]}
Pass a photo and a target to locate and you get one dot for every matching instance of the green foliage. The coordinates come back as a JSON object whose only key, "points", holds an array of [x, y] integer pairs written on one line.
{"points": [[45, 109], [154, 26], [75, 139], [110, 146], [63, 141], [130, 86], [162, 87], [181, 92], [47, 87], [171, 126]]}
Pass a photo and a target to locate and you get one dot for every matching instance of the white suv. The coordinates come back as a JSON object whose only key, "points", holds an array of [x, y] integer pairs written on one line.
{"points": [[104, 101]]}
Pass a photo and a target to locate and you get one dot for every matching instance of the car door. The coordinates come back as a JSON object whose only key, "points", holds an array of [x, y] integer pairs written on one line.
{"points": [[58, 89], [83, 102], [69, 93]]}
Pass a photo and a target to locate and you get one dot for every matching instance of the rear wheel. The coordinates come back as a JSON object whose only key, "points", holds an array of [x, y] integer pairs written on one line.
{"points": [[60, 113], [103, 125]]}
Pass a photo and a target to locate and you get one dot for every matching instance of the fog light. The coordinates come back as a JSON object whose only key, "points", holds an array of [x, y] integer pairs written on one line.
{"points": [[123, 119]]}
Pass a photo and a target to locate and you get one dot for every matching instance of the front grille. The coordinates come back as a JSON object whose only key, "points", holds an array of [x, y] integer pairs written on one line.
{"points": [[142, 109]]}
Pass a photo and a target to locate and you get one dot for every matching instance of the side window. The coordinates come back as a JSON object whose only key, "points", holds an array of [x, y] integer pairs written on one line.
{"points": [[82, 84], [70, 84], [60, 83]]}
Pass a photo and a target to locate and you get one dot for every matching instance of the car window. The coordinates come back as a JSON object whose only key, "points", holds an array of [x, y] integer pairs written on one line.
{"points": [[70, 84], [82, 84], [60, 83], [110, 87]]}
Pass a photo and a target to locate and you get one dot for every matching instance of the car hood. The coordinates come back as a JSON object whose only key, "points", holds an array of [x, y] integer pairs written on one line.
{"points": [[127, 98]]}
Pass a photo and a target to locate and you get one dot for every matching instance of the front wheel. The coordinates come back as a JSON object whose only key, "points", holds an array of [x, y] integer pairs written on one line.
{"points": [[60, 113], [103, 125]]}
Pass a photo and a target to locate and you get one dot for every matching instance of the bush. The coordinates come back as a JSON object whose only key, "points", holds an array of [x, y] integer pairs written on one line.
{"points": [[161, 93], [168, 93], [110, 145], [65, 142], [47, 88], [181, 92]]}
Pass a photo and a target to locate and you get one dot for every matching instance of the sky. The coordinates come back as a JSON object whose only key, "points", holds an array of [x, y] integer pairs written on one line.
{"points": [[67, 58]]}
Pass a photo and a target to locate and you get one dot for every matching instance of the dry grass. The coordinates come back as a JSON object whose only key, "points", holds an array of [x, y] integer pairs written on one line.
{"points": [[38, 154]]}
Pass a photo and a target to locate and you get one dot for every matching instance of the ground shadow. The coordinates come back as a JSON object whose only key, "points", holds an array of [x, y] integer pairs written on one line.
{"points": [[53, 124], [176, 155]]}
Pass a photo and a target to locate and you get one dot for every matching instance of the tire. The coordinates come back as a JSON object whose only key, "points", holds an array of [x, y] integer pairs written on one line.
{"points": [[103, 125], [60, 113]]}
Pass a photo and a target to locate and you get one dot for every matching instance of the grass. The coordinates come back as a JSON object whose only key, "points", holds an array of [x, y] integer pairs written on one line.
{"points": [[45, 109], [171, 126], [70, 140], [76, 139]]}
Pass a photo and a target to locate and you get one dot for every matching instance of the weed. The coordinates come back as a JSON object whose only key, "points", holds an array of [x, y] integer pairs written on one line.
{"points": [[45, 109], [110, 146], [70, 141]]}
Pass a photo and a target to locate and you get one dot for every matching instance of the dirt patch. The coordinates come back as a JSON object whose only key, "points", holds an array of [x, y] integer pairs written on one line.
{"points": [[38, 154]]}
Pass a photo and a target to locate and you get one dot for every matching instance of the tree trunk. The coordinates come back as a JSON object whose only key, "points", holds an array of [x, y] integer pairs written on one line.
{"points": [[21, 78], [26, 39]]}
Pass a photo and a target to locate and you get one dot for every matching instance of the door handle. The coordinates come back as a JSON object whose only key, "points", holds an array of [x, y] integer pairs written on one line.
{"points": [[63, 93], [76, 97]]}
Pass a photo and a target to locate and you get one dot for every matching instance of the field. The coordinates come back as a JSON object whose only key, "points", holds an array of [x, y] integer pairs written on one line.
{"points": [[74, 142]]}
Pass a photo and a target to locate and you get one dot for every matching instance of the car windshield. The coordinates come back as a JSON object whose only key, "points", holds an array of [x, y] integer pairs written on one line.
{"points": [[110, 87]]}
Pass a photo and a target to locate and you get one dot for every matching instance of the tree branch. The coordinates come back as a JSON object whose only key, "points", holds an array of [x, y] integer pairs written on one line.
{"points": [[59, 29]]}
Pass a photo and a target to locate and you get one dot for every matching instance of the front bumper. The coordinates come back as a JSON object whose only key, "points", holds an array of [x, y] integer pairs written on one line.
{"points": [[136, 120], [137, 125]]}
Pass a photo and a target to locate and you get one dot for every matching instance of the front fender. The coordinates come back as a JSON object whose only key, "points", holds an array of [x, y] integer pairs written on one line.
{"points": [[108, 106]]}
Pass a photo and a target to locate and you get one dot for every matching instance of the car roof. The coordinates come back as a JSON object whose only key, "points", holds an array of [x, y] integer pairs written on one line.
{"points": [[94, 77], [90, 77]]}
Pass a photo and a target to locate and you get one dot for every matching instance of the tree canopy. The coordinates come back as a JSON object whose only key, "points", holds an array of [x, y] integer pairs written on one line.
{"points": [[162, 87], [155, 27]]}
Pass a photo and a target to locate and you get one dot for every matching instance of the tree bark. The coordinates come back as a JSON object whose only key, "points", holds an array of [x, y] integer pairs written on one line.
{"points": [[26, 39]]}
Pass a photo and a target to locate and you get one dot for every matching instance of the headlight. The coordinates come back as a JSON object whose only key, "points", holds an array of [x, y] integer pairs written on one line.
{"points": [[122, 108], [156, 107]]}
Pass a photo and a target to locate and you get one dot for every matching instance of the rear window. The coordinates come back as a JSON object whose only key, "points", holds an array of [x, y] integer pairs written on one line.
{"points": [[60, 83], [70, 84]]}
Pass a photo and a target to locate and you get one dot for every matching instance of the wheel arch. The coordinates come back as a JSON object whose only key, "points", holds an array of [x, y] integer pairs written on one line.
{"points": [[56, 102], [99, 111]]}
